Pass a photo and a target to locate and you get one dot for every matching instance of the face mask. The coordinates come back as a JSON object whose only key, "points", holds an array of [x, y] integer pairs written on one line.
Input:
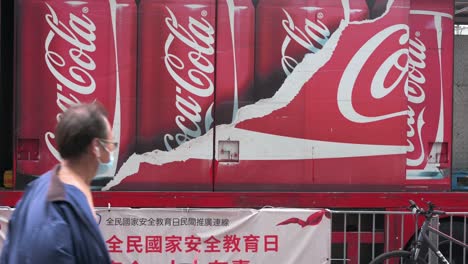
{"points": [[103, 167]]}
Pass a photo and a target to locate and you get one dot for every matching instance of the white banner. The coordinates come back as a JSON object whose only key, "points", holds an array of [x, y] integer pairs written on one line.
{"points": [[5, 213], [211, 236], [217, 236]]}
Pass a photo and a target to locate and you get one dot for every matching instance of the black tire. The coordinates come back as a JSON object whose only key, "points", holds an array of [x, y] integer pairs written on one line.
{"points": [[396, 257]]}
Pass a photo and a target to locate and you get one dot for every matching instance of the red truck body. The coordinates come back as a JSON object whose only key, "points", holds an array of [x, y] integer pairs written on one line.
{"points": [[240, 103], [338, 101]]}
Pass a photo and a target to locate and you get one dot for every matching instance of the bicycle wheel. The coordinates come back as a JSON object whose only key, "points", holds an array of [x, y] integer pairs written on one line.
{"points": [[396, 257]]}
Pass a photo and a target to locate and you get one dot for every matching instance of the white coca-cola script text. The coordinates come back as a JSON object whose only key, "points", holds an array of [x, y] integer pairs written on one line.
{"points": [[79, 34], [315, 36], [200, 39]]}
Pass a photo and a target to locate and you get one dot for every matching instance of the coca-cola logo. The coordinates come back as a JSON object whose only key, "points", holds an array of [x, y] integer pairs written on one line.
{"points": [[200, 39], [79, 34], [416, 56], [378, 88], [312, 38], [416, 95]]}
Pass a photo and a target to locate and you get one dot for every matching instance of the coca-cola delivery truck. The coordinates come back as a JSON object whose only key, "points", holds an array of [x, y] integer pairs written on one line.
{"points": [[241, 103]]}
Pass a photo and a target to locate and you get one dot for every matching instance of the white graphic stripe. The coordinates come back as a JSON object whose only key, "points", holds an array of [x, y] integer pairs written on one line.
{"points": [[440, 128], [255, 146], [231, 10], [289, 148], [346, 9], [116, 125], [430, 13]]}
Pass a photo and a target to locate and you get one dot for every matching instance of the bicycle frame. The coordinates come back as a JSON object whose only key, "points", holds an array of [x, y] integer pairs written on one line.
{"points": [[423, 236]]}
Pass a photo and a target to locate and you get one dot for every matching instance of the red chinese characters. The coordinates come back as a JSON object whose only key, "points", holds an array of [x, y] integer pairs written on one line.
{"points": [[192, 244]]}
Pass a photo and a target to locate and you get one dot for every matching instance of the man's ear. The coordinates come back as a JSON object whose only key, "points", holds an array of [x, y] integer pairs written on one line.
{"points": [[95, 147]]}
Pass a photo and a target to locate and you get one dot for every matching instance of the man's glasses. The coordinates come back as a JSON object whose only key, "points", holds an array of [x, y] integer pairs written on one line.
{"points": [[105, 143]]}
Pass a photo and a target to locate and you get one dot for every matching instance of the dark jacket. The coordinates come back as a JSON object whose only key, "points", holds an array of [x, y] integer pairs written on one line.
{"points": [[53, 223]]}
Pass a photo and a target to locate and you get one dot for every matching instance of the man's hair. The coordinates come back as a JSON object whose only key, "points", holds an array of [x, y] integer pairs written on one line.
{"points": [[78, 126]]}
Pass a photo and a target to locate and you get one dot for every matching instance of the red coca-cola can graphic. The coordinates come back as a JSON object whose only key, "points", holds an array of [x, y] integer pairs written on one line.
{"points": [[287, 30], [235, 42], [176, 77], [429, 89], [339, 122], [69, 52]]}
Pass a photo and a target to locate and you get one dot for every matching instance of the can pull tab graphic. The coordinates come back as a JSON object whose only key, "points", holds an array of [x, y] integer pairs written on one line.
{"points": [[228, 151]]}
